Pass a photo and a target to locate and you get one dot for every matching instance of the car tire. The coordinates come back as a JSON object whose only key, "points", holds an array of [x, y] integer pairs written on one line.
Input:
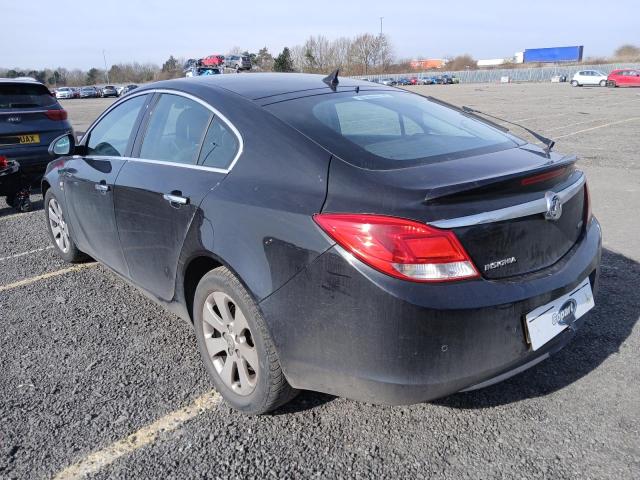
{"points": [[59, 232], [237, 350], [574, 83], [612, 84], [603, 83]]}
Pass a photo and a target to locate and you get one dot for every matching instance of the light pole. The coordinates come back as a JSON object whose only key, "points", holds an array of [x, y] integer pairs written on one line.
{"points": [[106, 71], [381, 25]]}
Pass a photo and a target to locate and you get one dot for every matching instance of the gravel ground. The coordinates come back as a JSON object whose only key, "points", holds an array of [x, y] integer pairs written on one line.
{"points": [[86, 360]]}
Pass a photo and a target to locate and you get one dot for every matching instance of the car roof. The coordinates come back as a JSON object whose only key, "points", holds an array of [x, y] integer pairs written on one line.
{"points": [[255, 86], [20, 80]]}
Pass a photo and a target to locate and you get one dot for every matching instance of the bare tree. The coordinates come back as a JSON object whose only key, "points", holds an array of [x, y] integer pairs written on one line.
{"points": [[627, 52], [363, 52]]}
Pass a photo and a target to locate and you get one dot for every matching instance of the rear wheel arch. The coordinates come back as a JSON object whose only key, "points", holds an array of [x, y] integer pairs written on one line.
{"points": [[197, 268], [45, 185]]}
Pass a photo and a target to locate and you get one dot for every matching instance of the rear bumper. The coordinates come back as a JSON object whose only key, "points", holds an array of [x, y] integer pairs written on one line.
{"points": [[33, 160], [363, 335]]}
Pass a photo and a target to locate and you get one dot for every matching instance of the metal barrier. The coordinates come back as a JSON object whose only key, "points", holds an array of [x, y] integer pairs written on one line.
{"points": [[534, 74]]}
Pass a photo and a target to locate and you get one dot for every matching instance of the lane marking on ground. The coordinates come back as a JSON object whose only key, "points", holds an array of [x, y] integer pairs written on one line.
{"points": [[544, 116], [572, 125], [26, 253], [44, 276], [145, 436], [599, 126]]}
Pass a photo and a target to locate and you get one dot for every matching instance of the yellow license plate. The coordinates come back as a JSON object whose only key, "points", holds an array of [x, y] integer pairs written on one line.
{"points": [[34, 138]]}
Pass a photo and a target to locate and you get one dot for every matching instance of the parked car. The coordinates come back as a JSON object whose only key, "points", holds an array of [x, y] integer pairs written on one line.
{"points": [[64, 92], [109, 91], [76, 92], [238, 62], [625, 77], [213, 61], [403, 81], [128, 89], [88, 92], [589, 77], [388, 82], [30, 118], [317, 239], [119, 89], [444, 80], [203, 71]]}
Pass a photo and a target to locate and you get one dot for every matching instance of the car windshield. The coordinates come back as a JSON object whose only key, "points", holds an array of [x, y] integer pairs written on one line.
{"points": [[390, 130], [24, 95]]}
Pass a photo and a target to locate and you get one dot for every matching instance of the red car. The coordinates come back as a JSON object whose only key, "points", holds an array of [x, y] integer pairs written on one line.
{"points": [[213, 60], [625, 77]]}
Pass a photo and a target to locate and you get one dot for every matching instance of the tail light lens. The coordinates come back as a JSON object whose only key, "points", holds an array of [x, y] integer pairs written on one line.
{"points": [[4, 162], [401, 248], [56, 114]]}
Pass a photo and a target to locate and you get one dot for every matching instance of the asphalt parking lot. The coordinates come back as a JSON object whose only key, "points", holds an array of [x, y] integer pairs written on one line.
{"points": [[97, 380]]}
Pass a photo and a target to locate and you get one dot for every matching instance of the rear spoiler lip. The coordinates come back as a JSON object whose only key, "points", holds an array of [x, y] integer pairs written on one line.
{"points": [[446, 190], [509, 213]]}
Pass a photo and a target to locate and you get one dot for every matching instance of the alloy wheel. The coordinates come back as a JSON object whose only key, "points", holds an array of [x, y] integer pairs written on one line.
{"points": [[230, 343], [58, 225]]}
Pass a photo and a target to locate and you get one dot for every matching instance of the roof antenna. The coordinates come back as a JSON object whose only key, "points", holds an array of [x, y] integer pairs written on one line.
{"points": [[332, 79]]}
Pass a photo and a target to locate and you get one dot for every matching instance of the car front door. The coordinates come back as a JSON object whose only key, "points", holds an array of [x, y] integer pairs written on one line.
{"points": [[89, 181], [184, 150]]}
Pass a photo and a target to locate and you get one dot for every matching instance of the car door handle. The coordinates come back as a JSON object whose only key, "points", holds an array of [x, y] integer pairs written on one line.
{"points": [[102, 186], [175, 198]]}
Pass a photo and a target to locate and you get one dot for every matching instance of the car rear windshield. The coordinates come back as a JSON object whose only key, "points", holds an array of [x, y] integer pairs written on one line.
{"points": [[390, 129], [25, 95]]}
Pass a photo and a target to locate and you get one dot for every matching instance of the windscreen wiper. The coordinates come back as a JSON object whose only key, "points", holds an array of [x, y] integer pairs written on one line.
{"points": [[546, 141]]}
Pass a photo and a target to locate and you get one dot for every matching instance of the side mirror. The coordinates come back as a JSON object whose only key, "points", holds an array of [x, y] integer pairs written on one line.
{"points": [[63, 145]]}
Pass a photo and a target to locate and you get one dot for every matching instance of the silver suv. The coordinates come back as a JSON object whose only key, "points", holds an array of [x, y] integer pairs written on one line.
{"points": [[238, 62]]}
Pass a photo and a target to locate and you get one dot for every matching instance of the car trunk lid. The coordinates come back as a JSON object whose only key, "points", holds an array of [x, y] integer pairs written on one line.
{"points": [[495, 203]]}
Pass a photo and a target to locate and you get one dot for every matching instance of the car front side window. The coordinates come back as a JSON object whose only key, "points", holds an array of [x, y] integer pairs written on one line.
{"points": [[110, 136]]}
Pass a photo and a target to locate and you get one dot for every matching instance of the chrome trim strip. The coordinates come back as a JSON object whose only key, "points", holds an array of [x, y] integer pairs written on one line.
{"points": [[507, 374], [22, 112], [214, 110], [157, 162], [508, 213]]}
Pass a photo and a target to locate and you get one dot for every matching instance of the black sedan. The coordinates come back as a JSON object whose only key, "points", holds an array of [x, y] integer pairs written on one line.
{"points": [[30, 118], [331, 234]]}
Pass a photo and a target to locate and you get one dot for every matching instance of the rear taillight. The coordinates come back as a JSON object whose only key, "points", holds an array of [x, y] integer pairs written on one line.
{"points": [[542, 177], [587, 206], [4, 161], [401, 248], [56, 114]]}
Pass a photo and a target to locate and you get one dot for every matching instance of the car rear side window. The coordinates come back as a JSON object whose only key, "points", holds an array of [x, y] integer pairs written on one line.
{"points": [[25, 95], [175, 131], [111, 135], [385, 130], [220, 146]]}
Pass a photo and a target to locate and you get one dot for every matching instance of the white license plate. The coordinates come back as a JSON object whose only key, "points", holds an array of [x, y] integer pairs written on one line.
{"points": [[549, 320]]}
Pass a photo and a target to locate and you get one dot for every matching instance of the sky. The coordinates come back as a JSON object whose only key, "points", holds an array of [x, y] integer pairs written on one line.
{"points": [[74, 34]]}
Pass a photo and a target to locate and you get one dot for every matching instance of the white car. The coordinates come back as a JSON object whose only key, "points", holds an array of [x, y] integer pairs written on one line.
{"points": [[64, 92], [589, 77]]}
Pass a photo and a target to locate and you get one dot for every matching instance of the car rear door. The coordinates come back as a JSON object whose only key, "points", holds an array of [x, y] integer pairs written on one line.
{"points": [[184, 150], [89, 181]]}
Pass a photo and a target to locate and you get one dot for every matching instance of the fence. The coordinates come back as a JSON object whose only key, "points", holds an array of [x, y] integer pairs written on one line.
{"points": [[538, 74]]}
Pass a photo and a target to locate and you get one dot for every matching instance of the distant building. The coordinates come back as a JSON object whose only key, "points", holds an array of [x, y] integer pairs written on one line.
{"points": [[427, 64]]}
